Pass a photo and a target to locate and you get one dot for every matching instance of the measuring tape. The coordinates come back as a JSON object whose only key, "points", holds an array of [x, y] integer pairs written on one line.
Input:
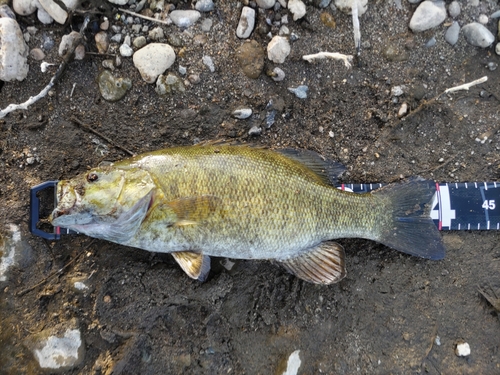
{"points": [[455, 206]]}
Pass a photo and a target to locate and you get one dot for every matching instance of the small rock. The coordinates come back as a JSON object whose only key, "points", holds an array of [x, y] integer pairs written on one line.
{"points": [[478, 35], [397, 90], [492, 66], [206, 25], [37, 54], [139, 42], [327, 20], [429, 14], [462, 349], [13, 51], [102, 41], [68, 42], [184, 18], [153, 59], [278, 49], [250, 56], [111, 88], [207, 60], [80, 52], [497, 49], [127, 40], [277, 74], [324, 3], [246, 24], [54, 10], [403, 110], [24, 7], [156, 34], [265, 4], [345, 6], [182, 70], [126, 50], [117, 38], [104, 24], [454, 9], [204, 5], [43, 16], [483, 19], [169, 84], [194, 79], [297, 8], [300, 91], [255, 130], [118, 2], [242, 113], [452, 33]]}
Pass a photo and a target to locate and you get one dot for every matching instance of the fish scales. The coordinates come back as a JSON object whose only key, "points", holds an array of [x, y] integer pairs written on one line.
{"points": [[243, 202]]}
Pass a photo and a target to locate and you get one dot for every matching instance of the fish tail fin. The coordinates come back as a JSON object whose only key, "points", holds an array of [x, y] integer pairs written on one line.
{"points": [[410, 228]]}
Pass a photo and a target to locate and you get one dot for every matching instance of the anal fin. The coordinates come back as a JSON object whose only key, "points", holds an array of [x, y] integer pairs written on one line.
{"points": [[196, 265], [323, 264]]}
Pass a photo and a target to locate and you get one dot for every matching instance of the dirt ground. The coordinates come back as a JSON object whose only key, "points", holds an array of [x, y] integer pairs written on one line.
{"points": [[392, 314]]}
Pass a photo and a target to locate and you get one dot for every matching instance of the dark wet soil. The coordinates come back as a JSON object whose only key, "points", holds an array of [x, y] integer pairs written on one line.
{"points": [[393, 313]]}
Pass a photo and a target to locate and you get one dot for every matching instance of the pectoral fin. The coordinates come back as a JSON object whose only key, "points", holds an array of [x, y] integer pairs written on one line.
{"points": [[196, 265], [323, 264], [192, 210]]}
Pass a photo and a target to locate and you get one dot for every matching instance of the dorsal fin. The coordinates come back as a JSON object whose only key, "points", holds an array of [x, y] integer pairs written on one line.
{"points": [[327, 170], [196, 265], [323, 264]]}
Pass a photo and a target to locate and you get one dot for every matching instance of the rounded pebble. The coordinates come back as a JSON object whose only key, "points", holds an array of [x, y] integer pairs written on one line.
{"points": [[139, 42], [102, 41], [111, 88], [428, 15], [153, 59], [169, 84], [209, 63], [255, 130], [185, 18], [478, 35], [297, 8], [462, 349], [246, 23], [278, 49], [24, 7], [451, 35], [454, 9], [126, 50], [204, 5], [265, 4], [278, 74], [483, 19], [37, 54], [250, 56], [328, 20], [242, 113]]}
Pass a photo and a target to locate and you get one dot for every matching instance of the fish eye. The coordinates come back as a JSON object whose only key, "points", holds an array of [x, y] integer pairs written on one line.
{"points": [[92, 177]]}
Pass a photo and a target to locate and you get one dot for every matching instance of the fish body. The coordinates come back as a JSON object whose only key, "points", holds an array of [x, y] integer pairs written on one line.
{"points": [[244, 202]]}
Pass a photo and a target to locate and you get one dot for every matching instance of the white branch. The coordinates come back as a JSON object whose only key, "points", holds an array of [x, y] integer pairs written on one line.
{"points": [[355, 25], [143, 17], [330, 55], [466, 86]]}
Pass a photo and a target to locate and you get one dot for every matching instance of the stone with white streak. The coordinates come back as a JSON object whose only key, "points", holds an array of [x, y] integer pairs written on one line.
{"points": [[13, 51], [428, 15], [278, 49], [153, 59], [297, 8], [246, 24]]}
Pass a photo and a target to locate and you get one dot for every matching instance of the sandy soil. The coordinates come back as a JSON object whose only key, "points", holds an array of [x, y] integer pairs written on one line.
{"points": [[143, 315]]}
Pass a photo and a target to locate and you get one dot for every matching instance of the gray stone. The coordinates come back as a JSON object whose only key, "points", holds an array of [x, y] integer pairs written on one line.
{"points": [[454, 9], [242, 113], [13, 51], [68, 42], [139, 42], [111, 88], [428, 15], [185, 18], [250, 56], [246, 24], [300, 91], [169, 84], [478, 35], [206, 24], [126, 50], [265, 4], [255, 130], [209, 63], [297, 8], [204, 5], [156, 34], [153, 59], [24, 7], [452, 33], [278, 49], [43, 16]]}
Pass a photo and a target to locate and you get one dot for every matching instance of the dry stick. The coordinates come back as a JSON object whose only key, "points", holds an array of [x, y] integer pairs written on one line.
{"points": [[143, 17], [27, 290], [329, 55], [86, 127]]}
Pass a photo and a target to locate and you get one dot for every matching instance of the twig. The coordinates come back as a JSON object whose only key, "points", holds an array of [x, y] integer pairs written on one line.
{"points": [[27, 290], [330, 55], [466, 86], [355, 26], [87, 127], [143, 17]]}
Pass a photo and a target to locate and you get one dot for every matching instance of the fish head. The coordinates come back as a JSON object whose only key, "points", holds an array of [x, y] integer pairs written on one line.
{"points": [[106, 202]]}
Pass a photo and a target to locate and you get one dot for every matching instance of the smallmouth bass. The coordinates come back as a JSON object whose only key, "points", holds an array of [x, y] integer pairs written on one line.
{"points": [[243, 202]]}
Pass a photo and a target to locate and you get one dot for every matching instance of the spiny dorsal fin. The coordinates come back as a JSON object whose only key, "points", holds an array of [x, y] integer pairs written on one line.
{"points": [[323, 264], [326, 169], [191, 210], [196, 265]]}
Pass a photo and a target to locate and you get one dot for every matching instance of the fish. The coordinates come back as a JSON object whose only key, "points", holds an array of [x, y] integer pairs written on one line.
{"points": [[244, 202]]}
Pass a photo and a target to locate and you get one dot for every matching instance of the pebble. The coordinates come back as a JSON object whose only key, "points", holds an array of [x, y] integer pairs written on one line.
{"points": [[403, 110], [497, 49], [242, 113], [278, 74], [117, 38], [478, 35], [346, 7], [102, 41], [454, 9], [206, 25], [207, 60], [112, 89], [297, 8], [204, 5], [104, 24], [299, 91], [251, 56], [246, 23], [452, 33], [54, 10], [431, 42], [255, 130], [483, 19], [292, 365], [156, 34], [13, 51], [397, 90], [68, 41], [428, 15], [43, 16], [324, 3], [24, 7], [327, 20], [278, 49], [182, 70], [6, 12], [139, 42], [126, 50], [462, 349], [37, 54], [153, 59], [265, 4], [194, 79], [169, 84], [184, 18]]}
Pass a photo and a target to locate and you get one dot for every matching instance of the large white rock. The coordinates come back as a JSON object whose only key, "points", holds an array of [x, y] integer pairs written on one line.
{"points": [[246, 24], [13, 51], [278, 49], [184, 18], [297, 8], [153, 59], [478, 35], [429, 14], [24, 7]]}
